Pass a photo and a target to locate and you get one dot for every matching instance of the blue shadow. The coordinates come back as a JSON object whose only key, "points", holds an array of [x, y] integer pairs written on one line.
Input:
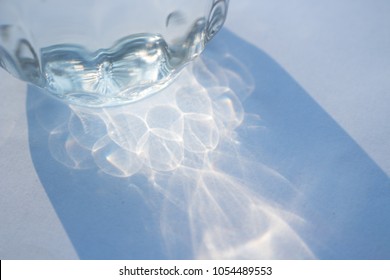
{"points": [[343, 196]]}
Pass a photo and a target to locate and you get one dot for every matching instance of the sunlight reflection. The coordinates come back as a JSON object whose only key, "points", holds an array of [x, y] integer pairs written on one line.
{"points": [[218, 201]]}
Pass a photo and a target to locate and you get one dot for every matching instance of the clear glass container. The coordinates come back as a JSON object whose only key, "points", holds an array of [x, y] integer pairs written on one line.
{"points": [[97, 53]]}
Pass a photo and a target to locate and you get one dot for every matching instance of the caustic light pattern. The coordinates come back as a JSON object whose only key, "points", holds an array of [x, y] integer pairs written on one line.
{"points": [[186, 141]]}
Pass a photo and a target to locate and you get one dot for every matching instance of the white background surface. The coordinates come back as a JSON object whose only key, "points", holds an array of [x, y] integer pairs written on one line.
{"points": [[337, 51]]}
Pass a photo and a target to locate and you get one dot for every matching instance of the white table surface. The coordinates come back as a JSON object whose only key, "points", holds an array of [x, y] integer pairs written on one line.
{"points": [[319, 150]]}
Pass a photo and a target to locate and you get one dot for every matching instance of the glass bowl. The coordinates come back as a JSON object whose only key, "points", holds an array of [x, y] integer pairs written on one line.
{"points": [[101, 53]]}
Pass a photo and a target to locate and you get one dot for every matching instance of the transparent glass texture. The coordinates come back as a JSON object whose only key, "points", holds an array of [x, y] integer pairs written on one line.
{"points": [[97, 53]]}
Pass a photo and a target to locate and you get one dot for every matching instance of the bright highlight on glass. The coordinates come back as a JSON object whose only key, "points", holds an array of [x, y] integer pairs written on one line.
{"points": [[96, 53]]}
